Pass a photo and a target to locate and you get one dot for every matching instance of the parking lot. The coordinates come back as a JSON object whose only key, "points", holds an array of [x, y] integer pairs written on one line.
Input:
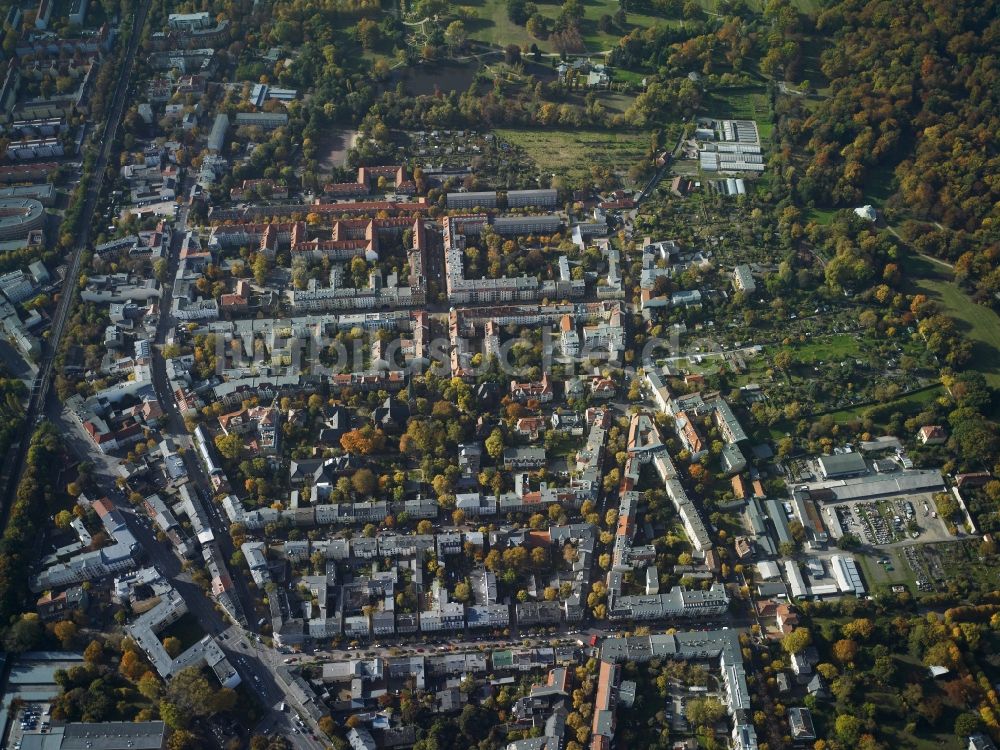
{"points": [[31, 717], [927, 570], [893, 521]]}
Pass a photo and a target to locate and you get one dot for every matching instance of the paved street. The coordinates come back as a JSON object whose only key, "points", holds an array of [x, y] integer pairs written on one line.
{"points": [[255, 664], [40, 391]]}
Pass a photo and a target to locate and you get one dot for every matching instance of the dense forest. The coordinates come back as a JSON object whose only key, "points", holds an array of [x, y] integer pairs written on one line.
{"points": [[913, 99]]}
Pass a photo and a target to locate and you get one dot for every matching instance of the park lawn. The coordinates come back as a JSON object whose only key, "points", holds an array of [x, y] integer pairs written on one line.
{"points": [[821, 216], [494, 27], [887, 710], [597, 40], [980, 324], [813, 46], [879, 185], [628, 76], [571, 152], [641, 717], [887, 707]]}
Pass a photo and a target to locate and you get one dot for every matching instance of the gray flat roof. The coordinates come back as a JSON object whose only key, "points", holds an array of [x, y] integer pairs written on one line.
{"points": [[843, 463], [114, 735], [874, 485]]}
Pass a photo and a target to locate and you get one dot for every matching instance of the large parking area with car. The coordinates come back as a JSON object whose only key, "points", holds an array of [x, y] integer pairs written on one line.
{"points": [[891, 521], [28, 717]]}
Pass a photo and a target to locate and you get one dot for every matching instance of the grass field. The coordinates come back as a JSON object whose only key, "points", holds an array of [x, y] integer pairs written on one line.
{"points": [[879, 185], [628, 76], [828, 349], [570, 153], [978, 323], [821, 216], [742, 103], [493, 25], [879, 577]]}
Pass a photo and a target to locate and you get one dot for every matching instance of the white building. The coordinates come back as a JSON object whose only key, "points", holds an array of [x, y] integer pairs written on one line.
{"points": [[743, 279]]}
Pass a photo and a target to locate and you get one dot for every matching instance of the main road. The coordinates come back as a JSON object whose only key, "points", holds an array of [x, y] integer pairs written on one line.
{"points": [[40, 390], [256, 672], [257, 665]]}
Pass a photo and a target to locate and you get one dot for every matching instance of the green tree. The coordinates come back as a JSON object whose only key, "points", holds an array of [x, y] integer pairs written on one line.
{"points": [[705, 712], [463, 592], [172, 646], [160, 270], [455, 35], [848, 729], [536, 25], [261, 267], [183, 739], [230, 446], [223, 700], [94, 653], [150, 687], [363, 482], [24, 635], [796, 641], [191, 693], [173, 715], [66, 632], [368, 33], [783, 360], [494, 445], [967, 724]]}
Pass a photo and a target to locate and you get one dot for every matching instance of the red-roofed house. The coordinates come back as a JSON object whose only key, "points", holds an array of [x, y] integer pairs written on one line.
{"points": [[530, 427], [739, 487], [540, 391], [786, 618], [689, 435], [932, 435], [604, 704], [114, 431], [602, 387]]}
